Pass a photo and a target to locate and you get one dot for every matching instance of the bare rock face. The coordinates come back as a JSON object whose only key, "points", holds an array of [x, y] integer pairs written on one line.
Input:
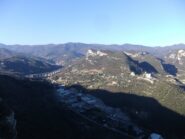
{"points": [[177, 58], [7, 122]]}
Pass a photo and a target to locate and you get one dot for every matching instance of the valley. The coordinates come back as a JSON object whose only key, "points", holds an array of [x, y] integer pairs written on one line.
{"points": [[125, 91]]}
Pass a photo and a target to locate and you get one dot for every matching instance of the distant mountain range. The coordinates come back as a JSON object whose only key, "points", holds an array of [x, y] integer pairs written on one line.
{"points": [[5, 53], [66, 53], [72, 50], [164, 60]]}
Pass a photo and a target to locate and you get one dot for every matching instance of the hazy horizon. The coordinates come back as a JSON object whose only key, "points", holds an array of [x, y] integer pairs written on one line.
{"points": [[41, 44]]}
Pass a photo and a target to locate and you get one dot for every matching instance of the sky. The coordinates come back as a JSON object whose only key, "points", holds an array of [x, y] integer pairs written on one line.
{"points": [[146, 22]]}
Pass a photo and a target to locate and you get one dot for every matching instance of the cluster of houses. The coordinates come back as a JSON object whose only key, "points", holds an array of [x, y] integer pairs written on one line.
{"points": [[43, 75]]}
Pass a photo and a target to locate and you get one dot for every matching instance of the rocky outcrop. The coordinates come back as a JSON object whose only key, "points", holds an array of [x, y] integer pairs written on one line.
{"points": [[7, 122]]}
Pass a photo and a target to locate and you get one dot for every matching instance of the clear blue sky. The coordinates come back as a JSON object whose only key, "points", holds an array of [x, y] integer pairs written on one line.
{"points": [[147, 22]]}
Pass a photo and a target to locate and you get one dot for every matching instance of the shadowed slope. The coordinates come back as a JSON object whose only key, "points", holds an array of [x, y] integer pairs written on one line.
{"points": [[145, 111], [39, 116]]}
